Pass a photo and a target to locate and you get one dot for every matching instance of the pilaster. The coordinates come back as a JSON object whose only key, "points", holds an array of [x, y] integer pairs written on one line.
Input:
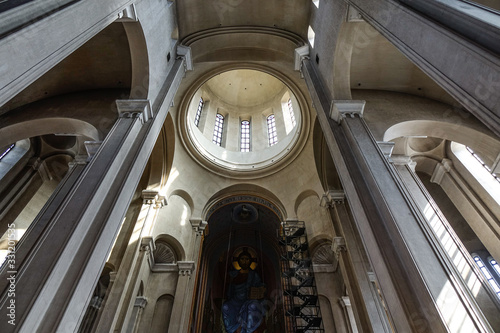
{"points": [[387, 220], [88, 218]]}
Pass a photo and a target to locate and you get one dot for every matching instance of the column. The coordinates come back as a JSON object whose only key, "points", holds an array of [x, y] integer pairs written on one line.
{"points": [[413, 280], [117, 311], [453, 253], [181, 310], [55, 283], [351, 258], [184, 293], [139, 305]]}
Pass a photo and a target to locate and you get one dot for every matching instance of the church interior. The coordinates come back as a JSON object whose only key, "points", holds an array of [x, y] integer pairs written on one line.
{"points": [[221, 166]]}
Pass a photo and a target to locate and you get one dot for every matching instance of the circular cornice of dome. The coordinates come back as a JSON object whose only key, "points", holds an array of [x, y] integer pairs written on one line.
{"points": [[236, 164]]}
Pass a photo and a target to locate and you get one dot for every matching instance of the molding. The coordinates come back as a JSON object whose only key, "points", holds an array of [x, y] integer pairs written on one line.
{"points": [[131, 108], [345, 301], [338, 245], [140, 302], [340, 109], [128, 14], [184, 52], [92, 147], [300, 54], [439, 171], [198, 226], [353, 15], [332, 198], [165, 268], [399, 159], [185, 267]]}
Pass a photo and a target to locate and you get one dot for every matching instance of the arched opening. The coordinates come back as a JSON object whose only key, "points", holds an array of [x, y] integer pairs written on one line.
{"points": [[240, 267]]}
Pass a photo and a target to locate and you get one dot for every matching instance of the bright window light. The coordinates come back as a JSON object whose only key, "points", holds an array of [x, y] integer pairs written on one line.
{"points": [[245, 136], [219, 125], [310, 36], [271, 130], [198, 112]]}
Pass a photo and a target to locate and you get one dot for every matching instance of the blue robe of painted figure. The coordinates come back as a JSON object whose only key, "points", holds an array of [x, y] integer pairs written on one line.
{"points": [[238, 310]]}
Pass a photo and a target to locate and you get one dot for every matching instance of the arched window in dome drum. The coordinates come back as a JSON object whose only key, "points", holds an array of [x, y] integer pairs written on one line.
{"points": [[271, 130], [245, 136], [198, 112], [219, 125]]}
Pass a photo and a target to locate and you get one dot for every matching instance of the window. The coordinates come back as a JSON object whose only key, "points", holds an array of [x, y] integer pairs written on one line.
{"points": [[6, 151], [292, 115], [219, 124], [310, 36], [493, 283], [198, 112], [271, 130], [316, 3], [245, 136], [495, 265], [482, 163]]}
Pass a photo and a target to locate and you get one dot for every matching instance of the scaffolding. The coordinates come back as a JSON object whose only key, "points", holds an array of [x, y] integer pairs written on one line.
{"points": [[301, 306]]}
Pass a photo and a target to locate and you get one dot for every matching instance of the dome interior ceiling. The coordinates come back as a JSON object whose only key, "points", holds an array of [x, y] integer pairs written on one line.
{"points": [[245, 88]]}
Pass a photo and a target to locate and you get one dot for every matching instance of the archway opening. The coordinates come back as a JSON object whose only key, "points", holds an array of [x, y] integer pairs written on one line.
{"points": [[239, 275]]}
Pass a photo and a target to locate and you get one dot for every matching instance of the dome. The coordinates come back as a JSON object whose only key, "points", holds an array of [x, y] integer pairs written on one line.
{"points": [[242, 121]]}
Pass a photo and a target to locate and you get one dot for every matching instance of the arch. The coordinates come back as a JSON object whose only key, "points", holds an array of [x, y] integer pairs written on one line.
{"points": [[244, 192], [140, 60], [37, 127], [302, 196], [185, 196], [174, 244], [162, 156], [162, 313], [480, 141]]}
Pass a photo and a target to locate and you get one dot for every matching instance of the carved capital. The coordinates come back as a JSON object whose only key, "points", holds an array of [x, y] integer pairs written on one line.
{"points": [[135, 108], [185, 267], [140, 302], [147, 244], [92, 147], [338, 245], [184, 52], [301, 53], [341, 109], [403, 160], [332, 198], [128, 14], [198, 226], [440, 170], [353, 15], [386, 148]]}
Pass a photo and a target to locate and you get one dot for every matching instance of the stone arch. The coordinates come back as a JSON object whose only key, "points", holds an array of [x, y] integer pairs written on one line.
{"points": [[140, 61], [232, 192], [174, 244], [184, 195], [162, 157], [162, 313], [302, 196], [38, 127]]}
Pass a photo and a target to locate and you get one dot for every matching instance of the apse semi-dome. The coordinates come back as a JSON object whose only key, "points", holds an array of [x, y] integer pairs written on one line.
{"points": [[242, 121]]}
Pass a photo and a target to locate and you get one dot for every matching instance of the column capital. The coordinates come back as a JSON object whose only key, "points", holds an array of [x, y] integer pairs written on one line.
{"points": [[185, 267], [131, 108], [300, 54], [386, 147], [399, 159], [345, 301], [128, 14], [340, 109], [92, 147], [440, 170], [184, 52], [198, 226], [338, 245], [141, 302], [78, 160], [147, 244], [152, 197], [332, 198]]}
